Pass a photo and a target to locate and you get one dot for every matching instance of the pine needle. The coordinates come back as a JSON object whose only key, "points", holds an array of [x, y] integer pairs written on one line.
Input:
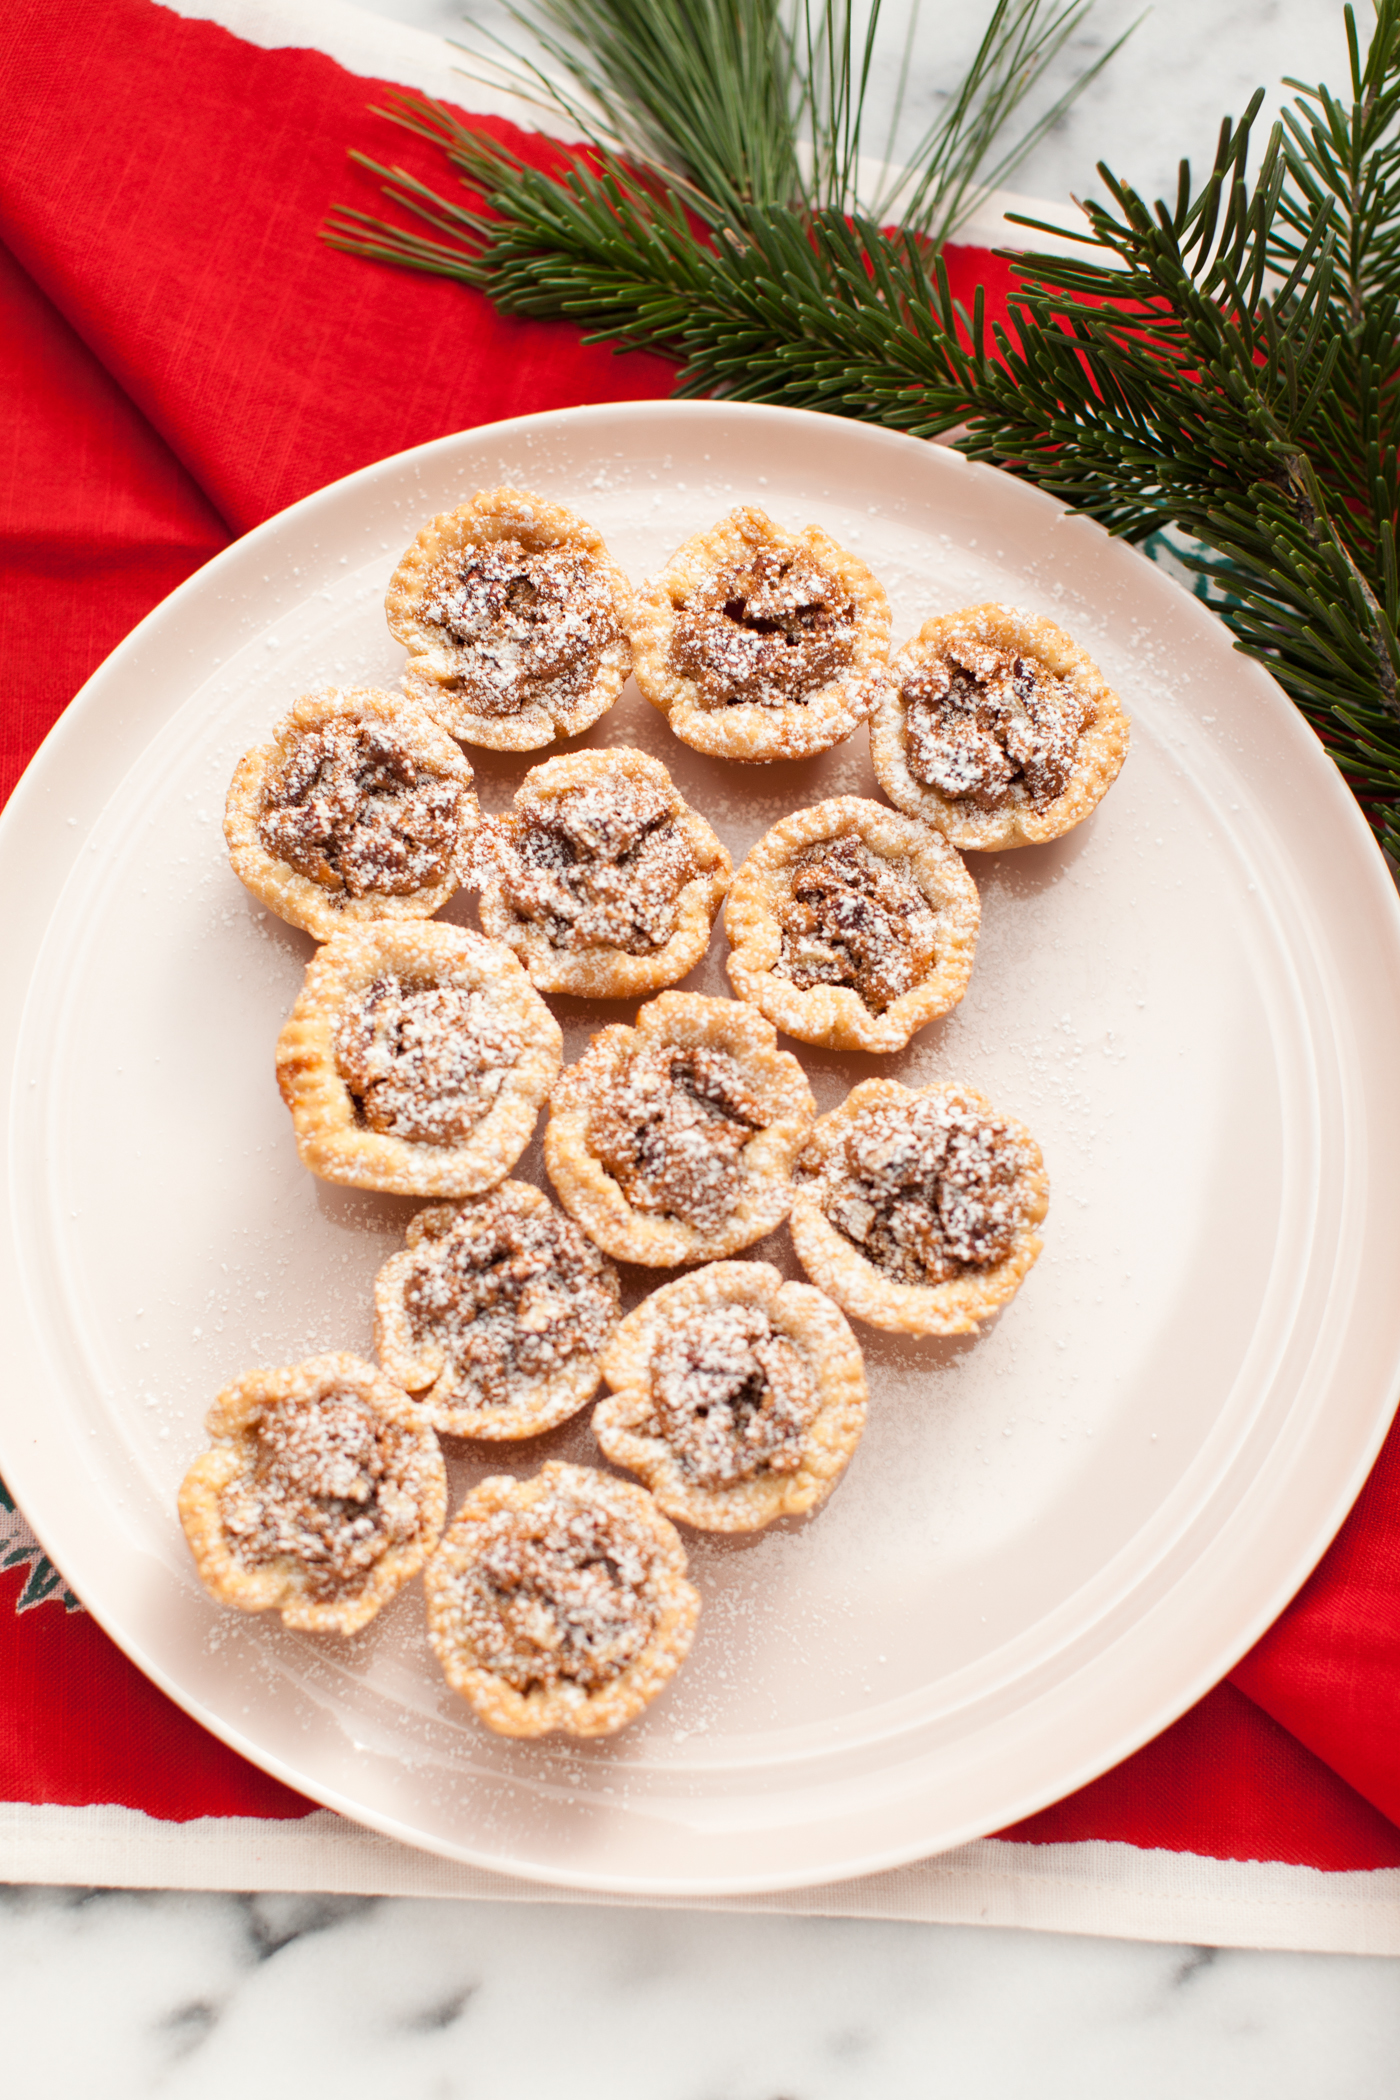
{"points": [[1230, 373]]}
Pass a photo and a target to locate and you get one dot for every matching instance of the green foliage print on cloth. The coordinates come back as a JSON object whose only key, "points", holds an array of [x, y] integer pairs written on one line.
{"points": [[20, 1549]]}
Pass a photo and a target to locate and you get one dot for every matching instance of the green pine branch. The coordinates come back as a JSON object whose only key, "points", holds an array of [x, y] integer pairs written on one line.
{"points": [[1229, 367], [762, 102]]}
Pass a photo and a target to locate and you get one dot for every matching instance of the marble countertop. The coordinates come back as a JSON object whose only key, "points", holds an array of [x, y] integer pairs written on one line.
{"points": [[1185, 65], [121, 1993], [126, 1995]]}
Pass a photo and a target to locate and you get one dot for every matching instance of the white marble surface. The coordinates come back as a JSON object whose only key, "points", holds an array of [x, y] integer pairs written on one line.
{"points": [[1185, 65], [123, 1994]]}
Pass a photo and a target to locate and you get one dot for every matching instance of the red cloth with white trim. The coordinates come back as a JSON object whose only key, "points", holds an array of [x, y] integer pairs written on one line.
{"points": [[182, 358]]}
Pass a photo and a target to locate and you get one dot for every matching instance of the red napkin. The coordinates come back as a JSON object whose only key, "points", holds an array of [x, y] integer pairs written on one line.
{"points": [[182, 358]]}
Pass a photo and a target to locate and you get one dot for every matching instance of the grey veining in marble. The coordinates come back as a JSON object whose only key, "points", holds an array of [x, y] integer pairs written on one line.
{"points": [[1185, 65], [120, 1996]]}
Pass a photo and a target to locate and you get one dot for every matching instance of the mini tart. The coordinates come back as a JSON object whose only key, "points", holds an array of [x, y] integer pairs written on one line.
{"points": [[916, 1211], [514, 615], [674, 1141], [495, 1314], [559, 1602], [852, 926], [759, 644], [737, 1398], [602, 878], [323, 1494], [415, 1060], [361, 809], [997, 729]]}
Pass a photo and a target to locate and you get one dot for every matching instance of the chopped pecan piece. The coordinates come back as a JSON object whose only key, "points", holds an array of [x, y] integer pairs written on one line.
{"points": [[851, 919], [733, 1398], [670, 1130], [601, 867], [528, 624], [769, 630], [974, 732], [424, 1063], [351, 808], [325, 1489]]}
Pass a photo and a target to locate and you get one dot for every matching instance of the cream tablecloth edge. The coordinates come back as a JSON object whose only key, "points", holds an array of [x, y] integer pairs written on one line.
{"points": [[1092, 1887]]}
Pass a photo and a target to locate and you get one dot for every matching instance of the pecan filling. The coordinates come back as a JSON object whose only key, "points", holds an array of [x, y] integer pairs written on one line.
{"points": [[600, 867], [510, 1297], [671, 1130], [353, 810], [849, 919], [331, 1486], [976, 732], [769, 631], [928, 1192], [732, 1397], [560, 1593], [423, 1062], [529, 627]]}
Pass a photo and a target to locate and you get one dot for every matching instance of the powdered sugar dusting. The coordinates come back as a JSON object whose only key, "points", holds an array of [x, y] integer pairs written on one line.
{"points": [[769, 630], [851, 919], [733, 1398], [928, 1189], [511, 1295], [982, 723], [528, 625], [560, 1592], [332, 1486], [671, 1128], [601, 866], [424, 1062], [352, 809]]}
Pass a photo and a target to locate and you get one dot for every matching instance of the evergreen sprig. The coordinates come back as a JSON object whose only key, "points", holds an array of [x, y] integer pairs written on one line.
{"points": [[1225, 363], [762, 102]]}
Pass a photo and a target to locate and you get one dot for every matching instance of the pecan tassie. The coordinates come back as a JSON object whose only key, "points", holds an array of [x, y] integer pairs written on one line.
{"points": [[361, 809], [852, 926], [416, 1060], [323, 1493], [601, 877], [737, 1398], [495, 1314], [514, 615], [997, 729], [757, 643], [674, 1141], [559, 1602], [917, 1211]]}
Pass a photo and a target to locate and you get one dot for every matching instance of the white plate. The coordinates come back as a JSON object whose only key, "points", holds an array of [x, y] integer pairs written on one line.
{"points": [[1054, 1538]]}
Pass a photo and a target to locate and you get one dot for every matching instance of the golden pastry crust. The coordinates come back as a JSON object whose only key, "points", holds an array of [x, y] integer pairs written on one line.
{"points": [[737, 1398], [692, 653], [370, 795], [415, 1060], [515, 618], [1050, 747], [495, 1314], [698, 1113], [885, 941], [322, 1495], [938, 1198], [602, 879], [559, 1602]]}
